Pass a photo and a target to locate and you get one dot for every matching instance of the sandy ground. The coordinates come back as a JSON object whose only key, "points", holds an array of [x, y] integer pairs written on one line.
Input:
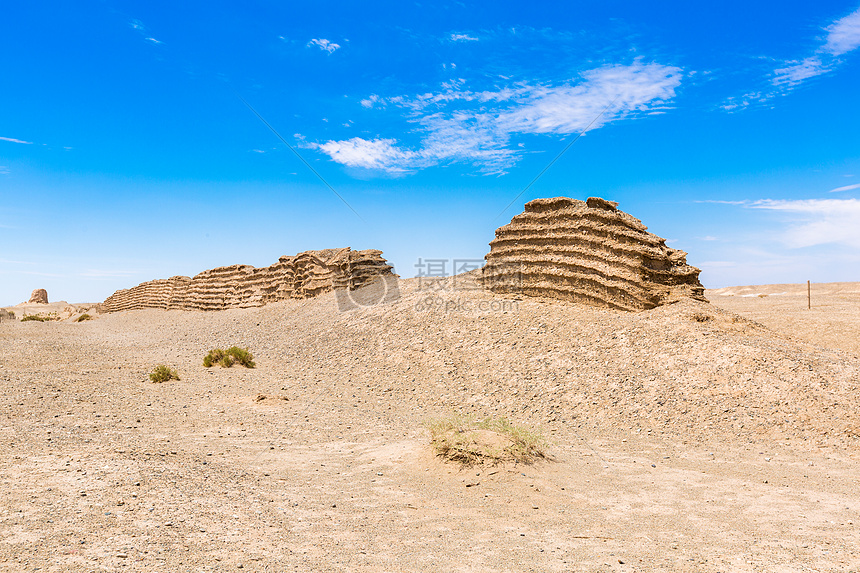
{"points": [[687, 438], [827, 315]]}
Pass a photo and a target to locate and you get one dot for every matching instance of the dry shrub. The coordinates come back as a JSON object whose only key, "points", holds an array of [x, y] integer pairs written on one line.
{"points": [[490, 440], [163, 373], [83, 317], [39, 317], [227, 358]]}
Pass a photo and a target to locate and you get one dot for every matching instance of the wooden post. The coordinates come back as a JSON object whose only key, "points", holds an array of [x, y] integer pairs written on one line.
{"points": [[808, 296]]}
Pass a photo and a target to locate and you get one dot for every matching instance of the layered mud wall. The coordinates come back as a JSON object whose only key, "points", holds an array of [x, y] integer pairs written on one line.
{"points": [[588, 252], [240, 286]]}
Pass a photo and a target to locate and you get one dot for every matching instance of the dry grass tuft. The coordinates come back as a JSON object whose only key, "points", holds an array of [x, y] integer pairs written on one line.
{"points": [[227, 358], [83, 317], [471, 441]]}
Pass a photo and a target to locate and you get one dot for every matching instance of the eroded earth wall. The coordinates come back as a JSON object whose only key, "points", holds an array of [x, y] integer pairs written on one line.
{"points": [[589, 252], [239, 286]]}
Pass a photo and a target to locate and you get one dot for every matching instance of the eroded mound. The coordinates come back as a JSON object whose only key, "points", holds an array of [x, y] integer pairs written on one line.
{"points": [[589, 252], [240, 286], [39, 296]]}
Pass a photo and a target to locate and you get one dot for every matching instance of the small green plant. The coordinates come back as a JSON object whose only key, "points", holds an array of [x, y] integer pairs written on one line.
{"points": [[227, 358], [491, 440], [83, 317], [35, 317], [163, 373]]}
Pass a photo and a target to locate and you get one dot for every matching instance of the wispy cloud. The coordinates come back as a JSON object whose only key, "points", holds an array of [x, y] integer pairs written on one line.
{"points": [[797, 72], [324, 45], [142, 29], [462, 38], [460, 125], [4, 170], [817, 221], [13, 140], [718, 202], [372, 100], [840, 38], [845, 188], [39, 274]]}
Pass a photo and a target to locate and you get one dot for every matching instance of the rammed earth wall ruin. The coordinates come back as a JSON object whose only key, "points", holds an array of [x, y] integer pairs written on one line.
{"points": [[589, 252], [305, 275]]}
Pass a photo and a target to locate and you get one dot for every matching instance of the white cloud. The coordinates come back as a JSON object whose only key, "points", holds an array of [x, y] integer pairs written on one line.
{"points": [[846, 188], [142, 29], [371, 100], [4, 170], [798, 72], [568, 109], [373, 154], [844, 35], [463, 38], [817, 221], [13, 140], [324, 45], [459, 125], [736, 103]]}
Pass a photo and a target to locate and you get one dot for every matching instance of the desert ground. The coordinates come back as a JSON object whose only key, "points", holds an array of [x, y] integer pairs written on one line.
{"points": [[691, 437]]}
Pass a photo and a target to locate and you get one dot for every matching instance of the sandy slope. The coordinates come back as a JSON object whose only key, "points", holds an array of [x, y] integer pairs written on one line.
{"points": [[686, 438]]}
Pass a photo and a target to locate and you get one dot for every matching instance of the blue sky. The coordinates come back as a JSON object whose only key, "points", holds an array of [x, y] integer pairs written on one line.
{"points": [[127, 153]]}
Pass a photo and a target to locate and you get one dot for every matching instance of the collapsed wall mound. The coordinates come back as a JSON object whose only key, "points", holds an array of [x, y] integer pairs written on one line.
{"points": [[587, 252], [301, 276], [39, 296]]}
